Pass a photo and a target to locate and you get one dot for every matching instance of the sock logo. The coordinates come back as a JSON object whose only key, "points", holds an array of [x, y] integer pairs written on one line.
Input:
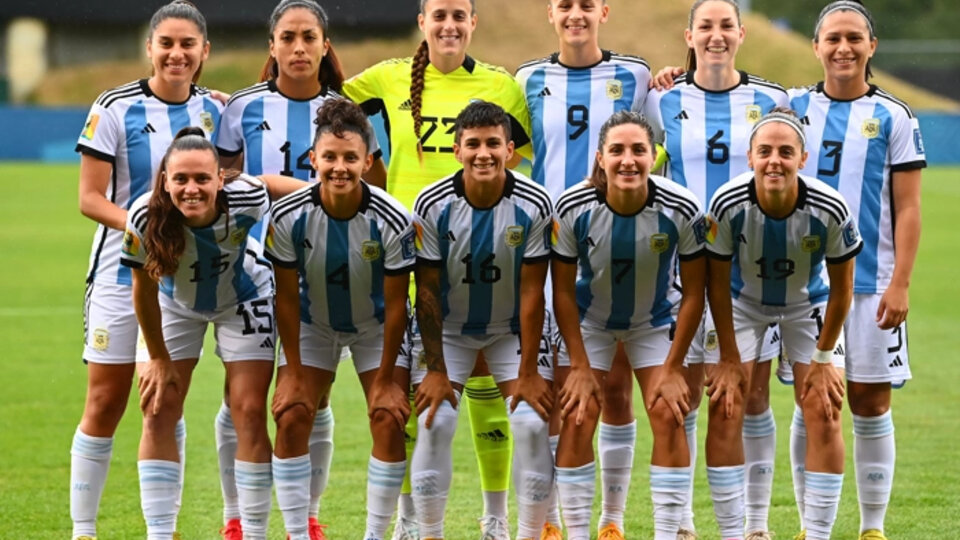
{"points": [[615, 489], [875, 477], [493, 436], [81, 486]]}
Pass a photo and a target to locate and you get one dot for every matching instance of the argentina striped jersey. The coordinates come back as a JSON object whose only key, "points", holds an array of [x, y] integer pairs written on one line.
{"points": [[780, 262], [569, 105], [855, 146], [342, 262], [480, 250], [627, 265], [219, 267], [131, 128]]}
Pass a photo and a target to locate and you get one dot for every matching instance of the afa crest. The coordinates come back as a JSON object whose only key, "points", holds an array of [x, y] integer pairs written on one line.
{"points": [[659, 243], [754, 113], [870, 128], [101, 339], [206, 122], [711, 342], [614, 89], [131, 244], [238, 236], [514, 236], [810, 244], [370, 250]]}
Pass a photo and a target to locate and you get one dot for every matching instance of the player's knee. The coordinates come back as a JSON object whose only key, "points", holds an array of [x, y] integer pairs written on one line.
{"points": [[663, 423], [105, 407], [385, 424], [869, 399], [442, 428], [819, 419], [526, 424], [249, 413], [618, 394], [294, 424]]}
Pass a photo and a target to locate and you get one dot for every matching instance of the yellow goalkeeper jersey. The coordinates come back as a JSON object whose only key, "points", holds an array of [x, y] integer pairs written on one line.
{"points": [[385, 88]]}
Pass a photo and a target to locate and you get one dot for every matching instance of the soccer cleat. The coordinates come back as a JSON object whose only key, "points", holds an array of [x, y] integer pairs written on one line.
{"points": [[405, 529], [872, 534], [550, 532], [686, 534], [759, 535], [494, 528], [232, 530], [315, 528], [85, 538], [610, 532], [802, 535]]}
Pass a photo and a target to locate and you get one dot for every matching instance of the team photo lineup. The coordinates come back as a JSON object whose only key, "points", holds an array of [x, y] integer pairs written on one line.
{"points": [[522, 245]]}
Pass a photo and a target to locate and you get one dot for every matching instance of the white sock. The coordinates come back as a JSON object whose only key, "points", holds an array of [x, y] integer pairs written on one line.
{"points": [[759, 449], [798, 457], [254, 483], [553, 500], [405, 507], [690, 426], [821, 499], [292, 478], [431, 469], [874, 455], [495, 503], [576, 486], [159, 485], [180, 433], [726, 490], [384, 480], [615, 446], [89, 463], [669, 488], [226, 437], [533, 475], [321, 453]]}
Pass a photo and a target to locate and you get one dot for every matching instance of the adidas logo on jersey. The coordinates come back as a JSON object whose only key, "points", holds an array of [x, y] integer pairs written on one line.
{"points": [[450, 237], [545, 92], [492, 436], [682, 116], [264, 126], [148, 129], [896, 362], [805, 120], [267, 343], [544, 361], [589, 242], [307, 244], [405, 106], [742, 239]]}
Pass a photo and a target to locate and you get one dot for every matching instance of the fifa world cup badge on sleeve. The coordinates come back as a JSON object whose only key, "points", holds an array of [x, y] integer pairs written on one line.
{"points": [[408, 246], [711, 229], [131, 244], [918, 142], [514, 236], [700, 230], [850, 235], [90, 128]]}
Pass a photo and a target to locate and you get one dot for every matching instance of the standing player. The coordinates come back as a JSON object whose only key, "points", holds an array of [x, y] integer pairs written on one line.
{"points": [[127, 132], [782, 248], [483, 235], [268, 129], [620, 239], [342, 254], [570, 94], [867, 145], [194, 262], [420, 99], [705, 119]]}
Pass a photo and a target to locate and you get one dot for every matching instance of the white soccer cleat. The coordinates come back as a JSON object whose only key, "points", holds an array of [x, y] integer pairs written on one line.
{"points": [[494, 528], [405, 529]]}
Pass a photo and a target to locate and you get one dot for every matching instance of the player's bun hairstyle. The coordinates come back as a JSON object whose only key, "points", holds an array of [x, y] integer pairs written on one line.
{"points": [[417, 69], [847, 5], [181, 9], [163, 238], [691, 54], [339, 116], [784, 115], [330, 73], [598, 177], [479, 114]]}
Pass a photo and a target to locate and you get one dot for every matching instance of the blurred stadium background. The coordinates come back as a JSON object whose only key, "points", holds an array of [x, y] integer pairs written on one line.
{"points": [[57, 56]]}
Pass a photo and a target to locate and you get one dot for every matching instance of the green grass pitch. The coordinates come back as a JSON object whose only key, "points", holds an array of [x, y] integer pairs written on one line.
{"points": [[45, 243]]}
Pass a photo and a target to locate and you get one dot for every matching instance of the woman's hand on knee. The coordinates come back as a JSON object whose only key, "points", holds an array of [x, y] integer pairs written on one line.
{"points": [[157, 377]]}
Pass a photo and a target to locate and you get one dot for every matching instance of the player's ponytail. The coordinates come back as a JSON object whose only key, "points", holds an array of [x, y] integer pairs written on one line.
{"points": [[181, 9], [417, 70], [163, 238], [330, 73], [847, 5]]}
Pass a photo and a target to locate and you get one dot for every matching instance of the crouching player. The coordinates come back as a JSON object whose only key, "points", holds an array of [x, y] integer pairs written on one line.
{"points": [[483, 236], [782, 248], [342, 253]]}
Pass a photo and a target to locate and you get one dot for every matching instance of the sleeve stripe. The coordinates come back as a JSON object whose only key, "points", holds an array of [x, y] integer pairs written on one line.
{"points": [[116, 97], [573, 199], [731, 197], [110, 94], [753, 79], [889, 97], [388, 218], [679, 207], [257, 88], [835, 208], [676, 198], [909, 166], [728, 205], [292, 202], [139, 218], [398, 215], [431, 196], [538, 197], [630, 58], [533, 63]]}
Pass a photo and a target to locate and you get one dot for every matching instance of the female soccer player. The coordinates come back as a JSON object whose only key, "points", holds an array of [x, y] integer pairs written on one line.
{"points": [[570, 94], [867, 145], [782, 248], [704, 119], [620, 239], [342, 254], [420, 99], [483, 234], [126, 134], [193, 263], [268, 129]]}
